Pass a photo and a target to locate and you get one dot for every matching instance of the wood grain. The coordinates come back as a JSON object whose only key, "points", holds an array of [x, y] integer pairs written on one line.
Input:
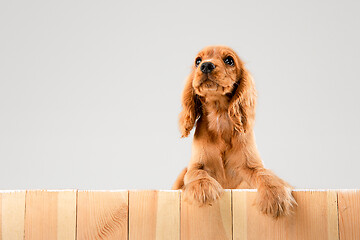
{"points": [[154, 215], [349, 214], [207, 223], [12, 213], [102, 215], [159, 215], [314, 218], [50, 215]]}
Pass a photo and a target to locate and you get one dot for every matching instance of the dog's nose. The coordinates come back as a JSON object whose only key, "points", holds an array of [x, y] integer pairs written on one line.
{"points": [[207, 67]]}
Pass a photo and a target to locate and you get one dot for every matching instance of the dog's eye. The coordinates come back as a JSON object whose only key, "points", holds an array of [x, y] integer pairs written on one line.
{"points": [[197, 61], [229, 61]]}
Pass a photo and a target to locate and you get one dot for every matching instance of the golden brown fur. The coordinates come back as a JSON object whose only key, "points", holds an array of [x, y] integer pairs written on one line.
{"points": [[224, 155]]}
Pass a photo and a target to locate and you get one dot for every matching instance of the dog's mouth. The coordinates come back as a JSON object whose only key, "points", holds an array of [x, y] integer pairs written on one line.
{"points": [[209, 85]]}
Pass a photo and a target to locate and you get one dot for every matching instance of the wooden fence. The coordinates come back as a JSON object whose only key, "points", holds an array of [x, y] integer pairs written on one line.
{"points": [[88, 215]]}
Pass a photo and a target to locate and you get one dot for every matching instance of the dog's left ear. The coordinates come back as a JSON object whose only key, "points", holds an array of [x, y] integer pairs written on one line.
{"points": [[191, 107], [242, 104]]}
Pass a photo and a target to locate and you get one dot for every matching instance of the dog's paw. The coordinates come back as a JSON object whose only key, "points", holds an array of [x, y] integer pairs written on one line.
{"points": [[203, 191], [276, 201]]}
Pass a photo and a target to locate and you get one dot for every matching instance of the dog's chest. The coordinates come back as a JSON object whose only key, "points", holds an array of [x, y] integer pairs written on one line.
{"points": [[218, 118], [219, 122]]}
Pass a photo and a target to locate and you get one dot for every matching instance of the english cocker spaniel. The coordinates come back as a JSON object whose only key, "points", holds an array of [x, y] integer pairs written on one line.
{"points": [[219, 96]]}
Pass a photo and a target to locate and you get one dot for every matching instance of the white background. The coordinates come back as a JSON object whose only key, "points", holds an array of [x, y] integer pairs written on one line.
{"points": [[90, 90]]}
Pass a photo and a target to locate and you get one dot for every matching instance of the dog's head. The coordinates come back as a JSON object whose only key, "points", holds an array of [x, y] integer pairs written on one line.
{"points": [[218, 71]]}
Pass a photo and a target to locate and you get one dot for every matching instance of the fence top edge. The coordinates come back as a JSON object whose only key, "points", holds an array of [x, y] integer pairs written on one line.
{"points": [[161, 190]]}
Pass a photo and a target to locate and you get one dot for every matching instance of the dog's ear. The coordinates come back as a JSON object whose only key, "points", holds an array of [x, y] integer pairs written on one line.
{"points": [[242, 104], [191, 108]]}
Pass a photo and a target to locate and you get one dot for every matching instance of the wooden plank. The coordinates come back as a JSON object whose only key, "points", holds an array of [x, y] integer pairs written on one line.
{"points": [[154, 215], [332, 215], [41, 215], [239, 210], [12, 212], [66, 212], [50, 215], [1, 216], [349, 214], [209, 222], [102, 215], [314, 218]]}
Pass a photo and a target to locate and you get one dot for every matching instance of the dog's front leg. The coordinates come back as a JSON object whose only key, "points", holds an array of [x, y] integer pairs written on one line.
{"points": [[274, 194], [201, 187]]}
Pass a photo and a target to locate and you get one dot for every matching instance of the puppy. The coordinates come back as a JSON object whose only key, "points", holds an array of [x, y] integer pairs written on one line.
{"points": [[219, 97]]}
